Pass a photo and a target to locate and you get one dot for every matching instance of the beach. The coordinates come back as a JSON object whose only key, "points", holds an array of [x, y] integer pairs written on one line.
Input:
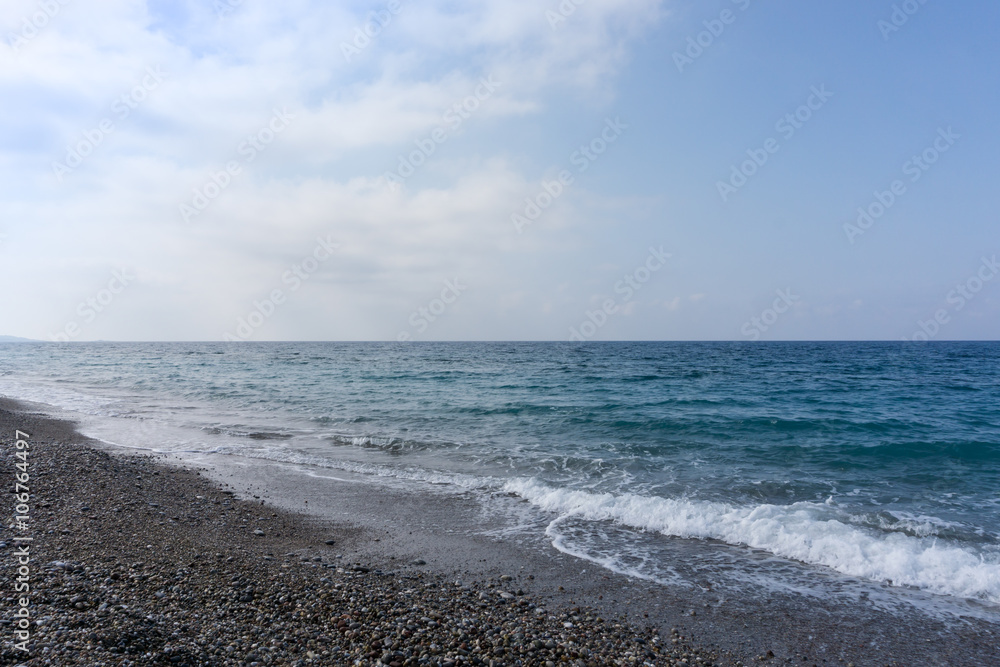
{"points": [[145, 561], [499, 334], [138, 563]]}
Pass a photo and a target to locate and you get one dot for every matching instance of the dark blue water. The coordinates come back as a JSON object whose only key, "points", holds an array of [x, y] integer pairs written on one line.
{"points": [[878, 460]]}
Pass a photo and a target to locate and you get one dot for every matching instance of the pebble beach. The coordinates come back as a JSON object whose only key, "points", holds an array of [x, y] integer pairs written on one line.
{"points": [[138, 563]]}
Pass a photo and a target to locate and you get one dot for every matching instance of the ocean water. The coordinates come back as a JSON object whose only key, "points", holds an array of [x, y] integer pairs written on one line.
{"points": [[873, 461]]}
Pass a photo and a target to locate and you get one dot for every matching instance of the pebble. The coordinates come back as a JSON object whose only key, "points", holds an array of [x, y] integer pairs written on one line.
{"points": [[211, 594]]}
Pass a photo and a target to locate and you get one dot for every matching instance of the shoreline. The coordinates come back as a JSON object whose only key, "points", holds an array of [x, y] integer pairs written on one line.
{"points": [[140, 563], [430, 541]]}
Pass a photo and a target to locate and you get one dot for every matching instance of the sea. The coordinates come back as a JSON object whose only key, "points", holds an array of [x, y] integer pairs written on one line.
{"points": [[872, 462]]}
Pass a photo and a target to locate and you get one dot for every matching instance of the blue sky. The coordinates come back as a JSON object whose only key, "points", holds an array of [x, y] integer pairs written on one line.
{"points": [[305, 238]]}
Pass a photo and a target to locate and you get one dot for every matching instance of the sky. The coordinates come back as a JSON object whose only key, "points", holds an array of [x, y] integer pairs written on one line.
{"points": [[499, 170]]}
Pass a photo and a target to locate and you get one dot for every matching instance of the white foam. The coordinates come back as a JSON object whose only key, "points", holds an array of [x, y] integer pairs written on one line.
{"points": [[809, 532], [55, 395], [458, 481], [613, 563]]}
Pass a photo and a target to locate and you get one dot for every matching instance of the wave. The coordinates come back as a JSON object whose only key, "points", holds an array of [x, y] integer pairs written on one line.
{"points": [[50, 393], [461, 481], [808, 532]]}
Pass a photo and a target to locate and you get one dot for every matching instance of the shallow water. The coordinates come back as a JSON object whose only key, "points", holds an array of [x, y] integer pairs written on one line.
{"points": [[872, 461]]}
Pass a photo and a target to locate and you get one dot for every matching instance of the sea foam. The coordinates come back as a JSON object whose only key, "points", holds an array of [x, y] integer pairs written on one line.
{"points": [[813, 533]]}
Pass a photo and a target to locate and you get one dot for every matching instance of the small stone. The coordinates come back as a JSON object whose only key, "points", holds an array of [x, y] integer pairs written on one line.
{"points": [[258, 613]]}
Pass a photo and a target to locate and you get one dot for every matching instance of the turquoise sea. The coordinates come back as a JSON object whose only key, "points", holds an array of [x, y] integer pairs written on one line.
{"points": [[876, 461]]}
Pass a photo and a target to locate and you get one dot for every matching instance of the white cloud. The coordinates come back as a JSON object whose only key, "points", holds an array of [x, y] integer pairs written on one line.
{"points": [[224, 78]]}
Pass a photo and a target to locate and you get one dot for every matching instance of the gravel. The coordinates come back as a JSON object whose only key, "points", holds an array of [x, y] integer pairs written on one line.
{"points": [[137, 563]]}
